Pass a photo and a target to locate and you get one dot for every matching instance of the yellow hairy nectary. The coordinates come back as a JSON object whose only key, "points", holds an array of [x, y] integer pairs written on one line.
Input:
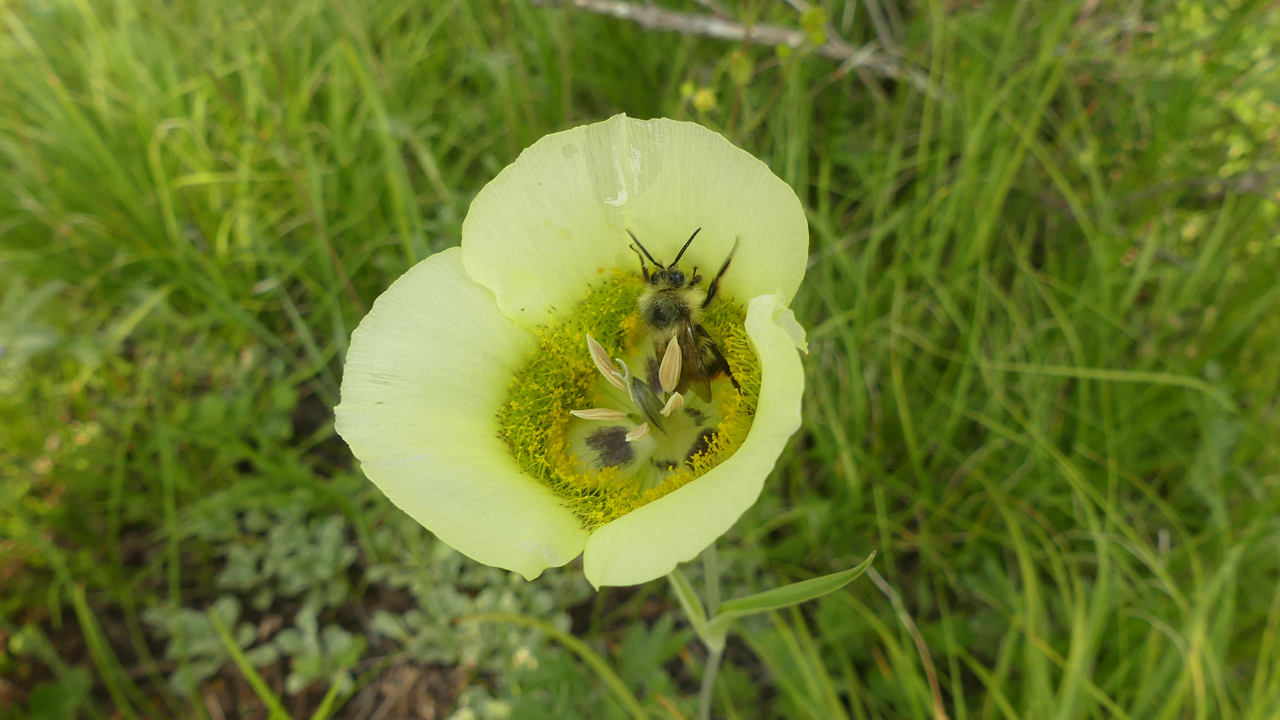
{"points": [[559, 377]]}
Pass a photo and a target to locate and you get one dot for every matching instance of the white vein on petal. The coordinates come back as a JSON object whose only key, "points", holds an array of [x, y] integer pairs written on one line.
{"points": [[635, 159], [619, 145]]}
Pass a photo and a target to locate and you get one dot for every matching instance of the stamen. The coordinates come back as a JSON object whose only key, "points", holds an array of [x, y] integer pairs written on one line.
{"points": [[674, 403], [640, 433], [599, 414], [669, 372], [601, 360]]}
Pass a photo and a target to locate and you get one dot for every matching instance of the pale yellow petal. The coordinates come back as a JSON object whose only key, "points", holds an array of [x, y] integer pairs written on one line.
{"points": [[555, 221], [786, 320], [427, 370]]}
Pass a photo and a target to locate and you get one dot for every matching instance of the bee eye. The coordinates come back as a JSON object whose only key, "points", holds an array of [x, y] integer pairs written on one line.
{"points": [[677, 278], [655, 278]]}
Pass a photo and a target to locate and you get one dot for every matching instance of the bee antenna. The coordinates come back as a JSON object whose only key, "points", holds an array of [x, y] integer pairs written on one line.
{"points": [[646, 252], [686, 247]]}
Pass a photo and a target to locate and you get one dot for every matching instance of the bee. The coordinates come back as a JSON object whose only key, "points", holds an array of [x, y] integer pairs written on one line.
{"points": [[672, 305]]}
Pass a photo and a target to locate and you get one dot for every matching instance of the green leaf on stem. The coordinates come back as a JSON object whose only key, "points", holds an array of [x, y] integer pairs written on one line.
{"points": [[785, 596]]}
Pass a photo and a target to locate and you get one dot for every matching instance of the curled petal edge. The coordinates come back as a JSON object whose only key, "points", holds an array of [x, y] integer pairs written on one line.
{"points": [[649, 542]]}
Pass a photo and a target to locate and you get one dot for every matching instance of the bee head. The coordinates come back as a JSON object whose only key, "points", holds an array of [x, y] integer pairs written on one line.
{"points": [[667, 278], [666, 275]]}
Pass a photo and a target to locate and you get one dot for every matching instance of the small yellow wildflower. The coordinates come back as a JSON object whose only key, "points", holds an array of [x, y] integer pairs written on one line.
{"points": [[705, 99]]}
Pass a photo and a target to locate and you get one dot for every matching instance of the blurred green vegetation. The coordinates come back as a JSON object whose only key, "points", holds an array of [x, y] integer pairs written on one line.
{"points": [[1043, 384]]}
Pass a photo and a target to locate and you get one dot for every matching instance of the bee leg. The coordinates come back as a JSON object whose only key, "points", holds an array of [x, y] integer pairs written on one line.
{"points": [[715, 282], [644, 270], [720, 362], [695, 278], [729, 373]]}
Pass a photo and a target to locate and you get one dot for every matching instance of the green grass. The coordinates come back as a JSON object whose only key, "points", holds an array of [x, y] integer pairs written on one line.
{"points": [[1043, 384]]}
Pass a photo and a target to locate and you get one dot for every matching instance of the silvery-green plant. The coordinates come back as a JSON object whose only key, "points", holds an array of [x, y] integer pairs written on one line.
{"points": [[446, 587], [194, 643], [284, 553], [318, 653]]}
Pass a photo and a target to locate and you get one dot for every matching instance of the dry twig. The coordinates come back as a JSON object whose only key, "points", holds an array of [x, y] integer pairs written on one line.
{"points": [[939, 710], [652, 17]]}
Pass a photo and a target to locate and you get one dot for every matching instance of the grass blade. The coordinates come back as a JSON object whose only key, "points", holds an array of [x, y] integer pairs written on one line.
{"points": [[328, 705], [103, 656], [275, 711], [690, 603]]}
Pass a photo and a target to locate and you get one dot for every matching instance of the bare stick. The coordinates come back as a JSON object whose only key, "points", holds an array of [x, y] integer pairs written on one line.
{"points": [[652, 17], [719, 9]]}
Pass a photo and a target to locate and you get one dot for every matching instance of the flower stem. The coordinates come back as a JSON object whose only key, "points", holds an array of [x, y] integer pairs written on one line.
{"points": [[711, 573], [709, 683]]}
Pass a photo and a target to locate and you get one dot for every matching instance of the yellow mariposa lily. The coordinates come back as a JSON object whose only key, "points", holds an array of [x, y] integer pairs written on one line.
{"points": [[473, 398]]}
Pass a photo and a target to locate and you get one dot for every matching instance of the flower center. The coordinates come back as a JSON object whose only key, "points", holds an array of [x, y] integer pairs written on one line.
{"points": [[604, 426]]}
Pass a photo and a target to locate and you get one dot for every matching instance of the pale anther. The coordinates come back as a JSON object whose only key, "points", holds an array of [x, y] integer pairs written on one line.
{"points": [[601, 360], [674, 403], [640, 433], [669, 371], [599, 414]]}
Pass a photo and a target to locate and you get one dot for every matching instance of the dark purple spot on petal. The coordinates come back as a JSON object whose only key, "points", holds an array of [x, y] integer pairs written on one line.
{"points": [[699, 445], [611, 446]]}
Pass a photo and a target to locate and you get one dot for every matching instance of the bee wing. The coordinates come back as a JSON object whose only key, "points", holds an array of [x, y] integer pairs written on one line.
{"points": [[693, 371]]}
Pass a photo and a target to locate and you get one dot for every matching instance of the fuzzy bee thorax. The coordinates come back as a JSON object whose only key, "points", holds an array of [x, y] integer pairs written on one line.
{"points": [[666, 309]]}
